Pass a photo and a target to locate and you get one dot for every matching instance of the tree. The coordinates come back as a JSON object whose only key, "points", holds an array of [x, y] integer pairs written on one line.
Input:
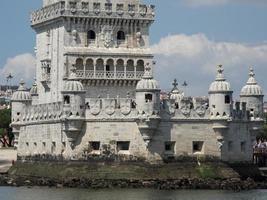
{"points": [[6, 136]]}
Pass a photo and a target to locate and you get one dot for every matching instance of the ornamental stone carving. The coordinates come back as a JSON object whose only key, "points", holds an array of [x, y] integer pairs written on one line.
{"points": [[107, 36]]}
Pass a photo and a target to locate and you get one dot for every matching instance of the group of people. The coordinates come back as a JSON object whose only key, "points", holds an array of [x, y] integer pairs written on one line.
{"points": [[260, 152]]}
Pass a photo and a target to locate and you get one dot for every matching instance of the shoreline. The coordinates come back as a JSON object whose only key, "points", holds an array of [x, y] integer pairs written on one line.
{"points": [[233, 184], [167, 176]]}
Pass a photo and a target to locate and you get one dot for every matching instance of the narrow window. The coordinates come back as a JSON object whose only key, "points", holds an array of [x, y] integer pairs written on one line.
{"points": [[91, 35], [227, 99], [120, 35], [148, 97], [123, 146], [66, 99], [94, 146], [198, 147]]}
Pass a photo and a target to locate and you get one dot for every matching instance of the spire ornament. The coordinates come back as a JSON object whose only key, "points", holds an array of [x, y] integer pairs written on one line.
{"points": [[220, 75]]}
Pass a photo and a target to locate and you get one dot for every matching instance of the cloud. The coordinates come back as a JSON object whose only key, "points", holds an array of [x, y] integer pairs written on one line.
{"points": [[194, 58], [21, 67], [221, 2]]}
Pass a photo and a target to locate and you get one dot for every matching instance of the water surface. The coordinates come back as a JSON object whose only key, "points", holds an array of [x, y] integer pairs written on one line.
{"points": [[22, 193]]}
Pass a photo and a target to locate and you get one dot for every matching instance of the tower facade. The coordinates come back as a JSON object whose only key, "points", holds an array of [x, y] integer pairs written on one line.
{"points": [[106, 41]]}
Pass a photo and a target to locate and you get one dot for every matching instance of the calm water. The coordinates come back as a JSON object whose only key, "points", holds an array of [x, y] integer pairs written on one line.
{"points": [[9, 193]]}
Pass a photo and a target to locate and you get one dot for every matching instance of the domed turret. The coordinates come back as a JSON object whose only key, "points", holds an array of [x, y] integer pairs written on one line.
{"points": [[34, 89], [21, 95], [20, 100], [220, 93], [176, 95], [74, 96], [148, 93], [252, 95]]}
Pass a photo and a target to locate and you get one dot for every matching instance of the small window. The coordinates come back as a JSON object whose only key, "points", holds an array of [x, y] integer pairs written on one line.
{"points": [[94, 146], [27, 144], [169, 147], [148, 97], [198, 147], [243, 147], [66, 99], [121, 35], [227, 99], [230, 146], [91, 35], [123, 146]]}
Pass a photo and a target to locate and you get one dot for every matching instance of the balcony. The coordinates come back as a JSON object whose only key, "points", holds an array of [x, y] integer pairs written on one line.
{"points": [[91, 74]]}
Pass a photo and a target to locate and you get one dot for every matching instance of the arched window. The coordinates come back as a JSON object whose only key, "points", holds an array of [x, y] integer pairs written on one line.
{"points": [[140, 66], [130, 65], [91, 35], [79, 64], [66, 99], [120, 35], [227, 99]]}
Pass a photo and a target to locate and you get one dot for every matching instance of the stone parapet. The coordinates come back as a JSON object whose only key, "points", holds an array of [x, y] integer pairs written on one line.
{"points": [[92, 10]]}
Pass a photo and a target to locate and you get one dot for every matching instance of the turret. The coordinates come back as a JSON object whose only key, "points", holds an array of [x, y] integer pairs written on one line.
{"points": [[34, 93], [220, 96], [176, 95], [74, 97], [148, 94], [73, 108], [252, 95], [19, 101]]}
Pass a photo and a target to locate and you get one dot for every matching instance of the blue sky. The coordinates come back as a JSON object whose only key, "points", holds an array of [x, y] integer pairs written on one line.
{"points": [[228, 32]]}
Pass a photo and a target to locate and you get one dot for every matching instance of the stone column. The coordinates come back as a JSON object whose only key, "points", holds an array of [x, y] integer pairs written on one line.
{"points": [[94, 63]]}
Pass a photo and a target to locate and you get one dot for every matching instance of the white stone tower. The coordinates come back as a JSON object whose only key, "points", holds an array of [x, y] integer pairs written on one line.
{"points": [[252, 95], [148, 94], [220, 96], [20, 100], [106, 41]]}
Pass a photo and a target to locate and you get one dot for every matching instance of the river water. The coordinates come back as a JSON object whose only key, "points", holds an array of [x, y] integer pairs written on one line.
{"points": [[21, 193]]}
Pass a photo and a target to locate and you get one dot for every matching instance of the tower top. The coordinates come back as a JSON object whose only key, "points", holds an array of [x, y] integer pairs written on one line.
{"points": [[48, 2]]}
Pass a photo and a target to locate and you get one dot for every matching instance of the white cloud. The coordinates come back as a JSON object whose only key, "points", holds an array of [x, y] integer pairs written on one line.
{"points": [[21, 67], [194, 58], [220, 2]]}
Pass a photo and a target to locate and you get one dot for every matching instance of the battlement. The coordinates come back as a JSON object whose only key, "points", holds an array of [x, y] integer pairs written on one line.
{"points": [[97, 9]]}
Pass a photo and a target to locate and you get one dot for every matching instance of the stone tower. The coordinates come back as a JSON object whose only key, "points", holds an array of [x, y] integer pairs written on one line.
{"points": [[252, 95], [221, 103], [106, 41]]}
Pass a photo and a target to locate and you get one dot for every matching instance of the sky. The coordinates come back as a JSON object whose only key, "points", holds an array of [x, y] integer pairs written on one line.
{"points": [[189, 39]]}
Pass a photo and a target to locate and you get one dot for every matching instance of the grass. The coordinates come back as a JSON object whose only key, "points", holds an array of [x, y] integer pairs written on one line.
{"points": [[114, 171]]}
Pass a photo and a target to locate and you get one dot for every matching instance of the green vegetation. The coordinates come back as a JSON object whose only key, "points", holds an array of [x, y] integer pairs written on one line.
{"points": [[6, 136], [129, 171]]}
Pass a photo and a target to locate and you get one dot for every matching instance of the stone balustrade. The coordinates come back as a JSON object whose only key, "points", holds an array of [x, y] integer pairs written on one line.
{"points": [[92, 9], [91, 74]]}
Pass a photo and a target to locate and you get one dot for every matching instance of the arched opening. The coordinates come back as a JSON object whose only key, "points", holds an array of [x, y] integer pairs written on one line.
{"points": [[130, 65], [99, 65], [110, 65], [120, 36], [79, 64], [89, 66], [120, 65], [227, 99], [66, 99], [148, 97], [140, 67], [91, 35]]}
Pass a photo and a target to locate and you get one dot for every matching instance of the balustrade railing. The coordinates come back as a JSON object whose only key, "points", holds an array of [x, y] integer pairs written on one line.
{"points": [[90, 74]]}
